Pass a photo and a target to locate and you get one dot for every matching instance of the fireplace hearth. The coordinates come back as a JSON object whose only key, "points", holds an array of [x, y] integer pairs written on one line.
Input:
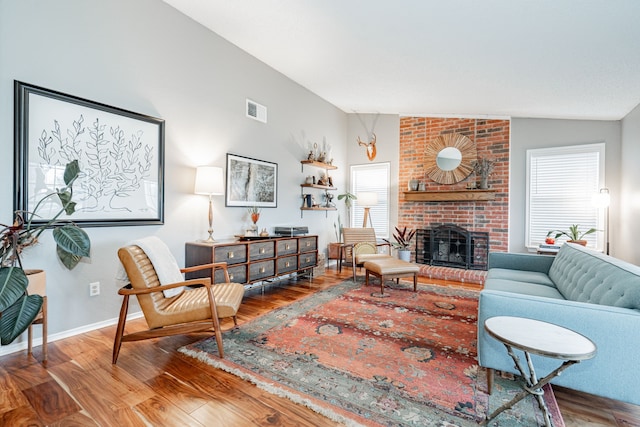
{"points": [[452, 246]]}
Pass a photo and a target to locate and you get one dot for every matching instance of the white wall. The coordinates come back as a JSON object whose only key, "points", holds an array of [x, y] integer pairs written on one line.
{"points": [[146, 57], [629, 228], [387, 130], [542, 133]]}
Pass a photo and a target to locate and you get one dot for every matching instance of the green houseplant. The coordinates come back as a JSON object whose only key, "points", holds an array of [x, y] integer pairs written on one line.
{"points": [[574, 235], [402, 242], [17, 309]]}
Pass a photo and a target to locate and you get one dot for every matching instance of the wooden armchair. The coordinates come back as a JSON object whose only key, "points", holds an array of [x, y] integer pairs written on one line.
{"points": [[193, 310], [360, 245]]}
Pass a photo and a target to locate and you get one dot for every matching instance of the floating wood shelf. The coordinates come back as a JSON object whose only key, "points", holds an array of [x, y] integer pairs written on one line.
{"points": [[321, 187], [318, 164], [450, 196]]}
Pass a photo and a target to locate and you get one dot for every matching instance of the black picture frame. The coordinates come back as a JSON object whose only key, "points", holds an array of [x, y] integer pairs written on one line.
{"points": [[121, 156], [251, 182]]}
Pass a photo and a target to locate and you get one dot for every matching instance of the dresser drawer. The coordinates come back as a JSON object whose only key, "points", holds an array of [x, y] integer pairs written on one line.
{"points": [[308, 260], [261, 269], [308, 244], [237, 274], [261, 250], [287, 264], [232, 254], [287, 247]]}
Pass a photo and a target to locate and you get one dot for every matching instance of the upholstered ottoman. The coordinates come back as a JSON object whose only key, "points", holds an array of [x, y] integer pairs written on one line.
{"points": [[391, 268]]}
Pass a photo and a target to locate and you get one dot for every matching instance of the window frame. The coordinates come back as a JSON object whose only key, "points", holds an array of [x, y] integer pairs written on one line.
{"points": [[378, 212]]}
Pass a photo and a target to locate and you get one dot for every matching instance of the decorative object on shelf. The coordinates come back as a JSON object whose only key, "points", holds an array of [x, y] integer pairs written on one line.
{"points": [[449, 158], [251, 182], [121, 152], [414, 184], [402, 242], [307, 201], [254, 213], [264, 233], [209, 181], [370, 147], [367, 200], [573, 234], [483, 168], [329, 200], [18, 310], [310, 180]]}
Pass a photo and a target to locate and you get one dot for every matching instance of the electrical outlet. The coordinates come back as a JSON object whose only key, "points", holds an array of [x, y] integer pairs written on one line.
{"points": [[94, 289]]}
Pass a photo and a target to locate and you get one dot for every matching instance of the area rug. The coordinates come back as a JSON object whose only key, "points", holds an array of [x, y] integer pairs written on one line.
{"points": [[405, 360]]}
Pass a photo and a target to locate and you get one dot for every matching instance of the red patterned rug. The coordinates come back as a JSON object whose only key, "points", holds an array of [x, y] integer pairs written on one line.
{"points": [[408, 359]]}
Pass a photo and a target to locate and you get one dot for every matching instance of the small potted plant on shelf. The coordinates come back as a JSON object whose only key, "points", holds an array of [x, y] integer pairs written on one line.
{"points": [[17, 308], [573, 234], [402, 242]]}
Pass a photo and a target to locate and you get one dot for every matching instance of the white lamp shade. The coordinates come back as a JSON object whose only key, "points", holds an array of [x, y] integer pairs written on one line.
{"points": [[209, 180], [367, 199]]}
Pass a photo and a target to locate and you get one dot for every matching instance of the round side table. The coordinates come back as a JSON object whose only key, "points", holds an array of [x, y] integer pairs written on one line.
{"points": [[541, 338]]}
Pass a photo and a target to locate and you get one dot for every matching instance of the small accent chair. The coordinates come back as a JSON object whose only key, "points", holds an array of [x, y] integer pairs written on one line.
{"points": [[193, 310], [360, 245]]}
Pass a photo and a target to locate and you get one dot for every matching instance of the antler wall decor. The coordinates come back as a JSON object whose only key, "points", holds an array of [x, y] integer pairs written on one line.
{"points": [[371, 147]]}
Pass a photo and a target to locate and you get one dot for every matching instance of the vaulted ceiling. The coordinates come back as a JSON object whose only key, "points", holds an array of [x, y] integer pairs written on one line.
{"points": [[521, 58]]}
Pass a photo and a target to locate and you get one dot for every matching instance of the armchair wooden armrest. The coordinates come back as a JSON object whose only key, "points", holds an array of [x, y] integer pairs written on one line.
{"points": [[128, 289], [212, 266]]}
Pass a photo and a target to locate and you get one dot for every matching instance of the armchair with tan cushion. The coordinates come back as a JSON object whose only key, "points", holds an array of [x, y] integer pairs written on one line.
{"points": [[360, 245], [196, 306]]}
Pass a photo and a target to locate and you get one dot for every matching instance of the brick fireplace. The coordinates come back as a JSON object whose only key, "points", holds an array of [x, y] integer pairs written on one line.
{"points": [[483, 216]]}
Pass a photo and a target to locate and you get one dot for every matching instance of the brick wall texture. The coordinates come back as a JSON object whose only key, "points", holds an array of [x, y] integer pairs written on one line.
{"points": [[492, 142]]}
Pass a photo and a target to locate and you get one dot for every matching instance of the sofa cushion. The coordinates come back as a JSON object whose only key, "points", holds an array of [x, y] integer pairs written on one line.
{"points": [[584, 275], [522, 288], [520, 276]]}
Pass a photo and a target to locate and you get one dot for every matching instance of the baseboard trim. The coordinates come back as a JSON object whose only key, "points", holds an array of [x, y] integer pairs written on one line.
{"points": [[37, 341]]}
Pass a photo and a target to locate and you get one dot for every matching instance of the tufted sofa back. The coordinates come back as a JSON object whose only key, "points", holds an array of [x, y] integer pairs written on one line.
{"points": [[584, 275]]}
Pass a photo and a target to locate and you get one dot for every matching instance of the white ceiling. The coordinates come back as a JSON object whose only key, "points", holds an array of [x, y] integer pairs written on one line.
{"points": [[523, 58]]}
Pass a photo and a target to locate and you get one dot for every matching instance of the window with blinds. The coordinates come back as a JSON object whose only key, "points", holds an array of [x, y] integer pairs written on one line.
{"points": [[372, 178], [561, 183]]}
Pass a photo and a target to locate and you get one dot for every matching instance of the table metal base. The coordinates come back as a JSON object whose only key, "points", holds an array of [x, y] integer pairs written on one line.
{"points": [[533, 386]]}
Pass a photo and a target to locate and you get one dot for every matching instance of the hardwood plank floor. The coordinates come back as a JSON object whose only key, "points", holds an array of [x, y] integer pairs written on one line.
{"points": [[153, 384]]}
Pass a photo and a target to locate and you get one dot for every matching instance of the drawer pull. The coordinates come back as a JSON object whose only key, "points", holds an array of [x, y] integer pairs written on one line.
{"points": [[307, 260], [287, 246], [287, 264], [230, 255], [262, 250], [231, 277], [308, 244], [262, 270]]}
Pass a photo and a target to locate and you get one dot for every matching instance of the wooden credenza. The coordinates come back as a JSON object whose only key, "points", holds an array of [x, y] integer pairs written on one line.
{"points": [[255, 260]]}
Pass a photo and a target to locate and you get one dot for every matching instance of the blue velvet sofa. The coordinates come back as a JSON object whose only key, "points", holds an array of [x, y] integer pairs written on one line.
{"points": [[580, 289]]}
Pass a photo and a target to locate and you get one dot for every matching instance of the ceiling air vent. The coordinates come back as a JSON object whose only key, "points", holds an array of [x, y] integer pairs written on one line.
{"points": [[256, 111]]}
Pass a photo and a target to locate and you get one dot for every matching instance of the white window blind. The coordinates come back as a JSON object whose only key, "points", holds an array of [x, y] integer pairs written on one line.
{"points": [[560, 188], [372, 178]]}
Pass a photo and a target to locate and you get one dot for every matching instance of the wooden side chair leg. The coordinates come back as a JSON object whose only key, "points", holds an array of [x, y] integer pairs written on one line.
{"points": [[235, 320], [415, 282], [117, 343], [30, 340], [216, 325]]}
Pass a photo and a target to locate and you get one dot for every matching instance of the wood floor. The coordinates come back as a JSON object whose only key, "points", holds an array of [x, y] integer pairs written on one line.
{"points": [[154, 385]]}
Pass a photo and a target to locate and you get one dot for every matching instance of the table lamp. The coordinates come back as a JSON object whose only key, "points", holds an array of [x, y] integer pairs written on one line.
{"points": [[209, 181], [367, 200]]}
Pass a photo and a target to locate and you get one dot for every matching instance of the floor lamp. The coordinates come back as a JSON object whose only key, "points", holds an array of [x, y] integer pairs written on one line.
{"points": [[367, 200], [209, 181], [603, 200]]}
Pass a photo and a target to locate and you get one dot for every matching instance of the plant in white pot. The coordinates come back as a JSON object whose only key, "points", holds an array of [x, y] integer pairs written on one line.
{"points": [[17, 308], [574, 235], [402, 242]]}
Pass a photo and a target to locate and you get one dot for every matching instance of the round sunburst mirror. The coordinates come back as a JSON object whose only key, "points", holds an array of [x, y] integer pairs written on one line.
{"points": [[449, 158]]}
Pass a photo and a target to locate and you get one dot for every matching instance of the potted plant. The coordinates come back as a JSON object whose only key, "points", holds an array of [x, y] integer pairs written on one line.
{"points": [[348, 199], [483, 168], [17, 308], [574, 235], [402, 242]]}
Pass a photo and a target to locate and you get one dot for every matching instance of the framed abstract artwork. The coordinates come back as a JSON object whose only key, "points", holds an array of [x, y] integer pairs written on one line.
{"points": [[121, 157], [251, 182]]}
